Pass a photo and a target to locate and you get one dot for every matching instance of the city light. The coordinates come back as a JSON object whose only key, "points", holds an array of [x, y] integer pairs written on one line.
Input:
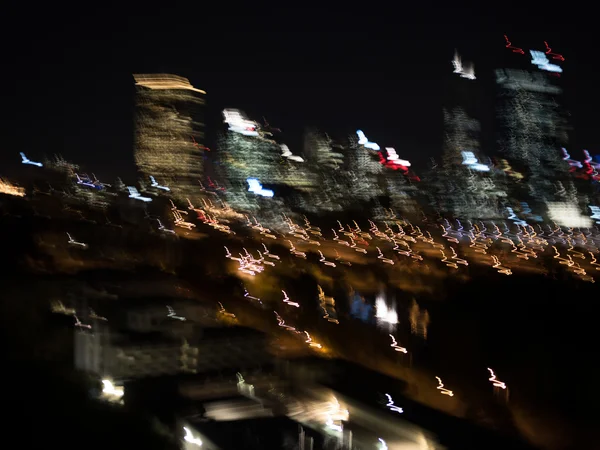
{"points": [[239, 123], [542, 62], [189, 437], [255, 187], [26, 160], [11, 189], [362, 140]]}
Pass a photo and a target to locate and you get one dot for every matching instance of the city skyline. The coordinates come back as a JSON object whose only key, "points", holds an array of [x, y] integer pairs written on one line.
{"points": [[329, 88]]}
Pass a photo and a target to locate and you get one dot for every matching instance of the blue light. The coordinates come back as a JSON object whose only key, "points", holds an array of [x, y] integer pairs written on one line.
{"points": [[595, 213], [154, 184], [255, 187], [470, 160], [133, 193], [541, 60], [26, 160], [362, 140]]}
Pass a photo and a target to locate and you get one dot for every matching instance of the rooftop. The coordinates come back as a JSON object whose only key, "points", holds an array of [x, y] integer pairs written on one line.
{"points": [[164, 81]]}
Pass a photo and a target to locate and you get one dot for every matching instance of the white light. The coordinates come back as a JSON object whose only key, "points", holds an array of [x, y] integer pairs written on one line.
{"points": [[383, 313], [133, 193], [110, 389], [240, 124], [362, 140], [393, 157], [464, 71], [255, 187], [286, 153], [189, 437], [470, 160], [156, 185], [568, 215], [382, 444]]}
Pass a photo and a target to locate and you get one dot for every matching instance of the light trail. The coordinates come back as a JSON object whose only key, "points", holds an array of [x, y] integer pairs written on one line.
{"points": [[442, 389]]}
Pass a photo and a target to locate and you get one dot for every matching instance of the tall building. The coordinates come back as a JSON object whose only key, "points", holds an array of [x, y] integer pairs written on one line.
{"points": [[463, 186], [532, 125], [169, 132]]}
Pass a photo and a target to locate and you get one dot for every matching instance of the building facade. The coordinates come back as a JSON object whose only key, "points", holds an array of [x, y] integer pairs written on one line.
{"points": [[169, 132]]}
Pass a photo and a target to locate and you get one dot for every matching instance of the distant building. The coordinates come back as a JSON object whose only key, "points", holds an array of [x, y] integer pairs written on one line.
{"points": [[169, 132], [122, 356], [532, 124]]}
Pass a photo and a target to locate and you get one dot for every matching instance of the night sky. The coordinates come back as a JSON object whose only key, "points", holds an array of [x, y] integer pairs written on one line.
{"points": [[384, 71]]}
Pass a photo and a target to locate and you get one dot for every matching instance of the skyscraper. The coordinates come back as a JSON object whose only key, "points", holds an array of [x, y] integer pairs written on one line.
{"points": [[532, 126], [463, 185], [169, 132]]}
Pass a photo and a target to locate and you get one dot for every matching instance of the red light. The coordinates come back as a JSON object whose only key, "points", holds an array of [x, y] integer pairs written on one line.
{"points": [[554, 55], [514, 49]]}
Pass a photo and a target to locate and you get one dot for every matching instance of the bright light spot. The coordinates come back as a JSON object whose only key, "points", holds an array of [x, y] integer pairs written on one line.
{"points": [[393, 156], [470, 160], [255, 187], [383, 313], [362, 140], [542, 62], [10, 189], [189, 437], [111, 390], [568, 215], [239, 123]]}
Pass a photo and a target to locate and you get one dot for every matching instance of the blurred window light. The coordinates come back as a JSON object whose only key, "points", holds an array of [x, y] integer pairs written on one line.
{"points": [[238, 123], [542, 62], [255, 187], [568, 215], [470, 160], [362, 140]]}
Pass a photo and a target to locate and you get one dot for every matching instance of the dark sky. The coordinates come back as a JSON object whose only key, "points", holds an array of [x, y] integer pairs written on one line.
{"points": [[385, 71]]}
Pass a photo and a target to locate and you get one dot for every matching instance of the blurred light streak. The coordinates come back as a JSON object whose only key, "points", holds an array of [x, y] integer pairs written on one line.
{"points": [[442, 389], [362, 140], [11, 189], [25, 160], [189, 437], [495, 381], [286, 300], [396, 347], [513, 48], [392, 406], [554, 55]]}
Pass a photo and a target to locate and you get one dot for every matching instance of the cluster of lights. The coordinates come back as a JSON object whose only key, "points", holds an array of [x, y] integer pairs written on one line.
{"points": [[255, 187], [239, 123], [10, 189], [471, 161]]}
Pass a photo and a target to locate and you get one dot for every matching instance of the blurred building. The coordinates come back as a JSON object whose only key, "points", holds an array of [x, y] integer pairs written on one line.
{"points": [[169, 132], [155, 337], [532, 124], [129, 355]]}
